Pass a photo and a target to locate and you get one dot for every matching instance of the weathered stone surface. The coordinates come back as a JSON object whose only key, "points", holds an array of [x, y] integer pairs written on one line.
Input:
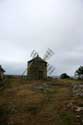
{"points": [[37, 69], [77, 89], [44, 86]]}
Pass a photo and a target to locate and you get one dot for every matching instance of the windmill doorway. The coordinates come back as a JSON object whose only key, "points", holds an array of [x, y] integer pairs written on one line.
{"points": [[40, 75]]}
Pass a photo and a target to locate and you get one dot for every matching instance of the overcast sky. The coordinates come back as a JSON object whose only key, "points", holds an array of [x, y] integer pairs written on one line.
{"points": [[27, 25]]}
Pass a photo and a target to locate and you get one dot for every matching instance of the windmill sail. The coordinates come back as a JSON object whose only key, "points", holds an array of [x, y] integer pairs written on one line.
{"points": [[50, 69], [26, 69], [34, 54], [49, 53]]}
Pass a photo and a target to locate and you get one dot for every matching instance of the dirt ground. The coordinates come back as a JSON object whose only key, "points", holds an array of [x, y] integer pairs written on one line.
{"points": [[51, 102]]}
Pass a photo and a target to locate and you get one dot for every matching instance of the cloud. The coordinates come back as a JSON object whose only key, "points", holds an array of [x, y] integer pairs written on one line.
{"points": [[34, 24]]}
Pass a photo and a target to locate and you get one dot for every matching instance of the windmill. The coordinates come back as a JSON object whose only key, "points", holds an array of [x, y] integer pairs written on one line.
{"points": [[49, 53], [32, 55]]}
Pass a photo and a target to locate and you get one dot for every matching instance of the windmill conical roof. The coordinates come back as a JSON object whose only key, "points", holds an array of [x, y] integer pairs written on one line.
{"points": [[38, 59]]}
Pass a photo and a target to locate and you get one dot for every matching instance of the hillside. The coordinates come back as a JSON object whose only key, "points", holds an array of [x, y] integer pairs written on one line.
{"points": [[24, 102]]}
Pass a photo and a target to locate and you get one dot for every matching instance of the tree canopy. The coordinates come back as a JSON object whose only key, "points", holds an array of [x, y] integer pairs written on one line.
{"points": [[64, 76], [79, 72]]}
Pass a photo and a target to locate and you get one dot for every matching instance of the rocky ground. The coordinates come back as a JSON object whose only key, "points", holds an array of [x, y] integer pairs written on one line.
{"points": [[53, 102]]}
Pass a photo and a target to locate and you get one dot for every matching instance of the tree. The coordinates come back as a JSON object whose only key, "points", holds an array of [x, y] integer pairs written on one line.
{"points": [[64, 76], [79, 72]]}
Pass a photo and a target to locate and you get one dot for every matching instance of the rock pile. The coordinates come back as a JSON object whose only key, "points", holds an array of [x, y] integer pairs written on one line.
{"points": [[77, 89], [43, 86], [77, 110]]}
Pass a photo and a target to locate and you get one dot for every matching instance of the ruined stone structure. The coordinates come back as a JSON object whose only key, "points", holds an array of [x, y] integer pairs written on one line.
{"points": [[37, 69], [1, 72]]}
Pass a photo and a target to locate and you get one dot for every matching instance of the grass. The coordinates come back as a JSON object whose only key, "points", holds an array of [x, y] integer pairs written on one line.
{"points": [[22, 105], [66, 118]]}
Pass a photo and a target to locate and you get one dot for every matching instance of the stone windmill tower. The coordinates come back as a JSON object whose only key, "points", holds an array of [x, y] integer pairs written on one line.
{"points": [[37, 67]]}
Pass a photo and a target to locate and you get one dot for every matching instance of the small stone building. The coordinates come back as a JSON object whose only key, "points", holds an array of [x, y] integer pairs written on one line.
{"points": [[1, 72], [37, 69]]}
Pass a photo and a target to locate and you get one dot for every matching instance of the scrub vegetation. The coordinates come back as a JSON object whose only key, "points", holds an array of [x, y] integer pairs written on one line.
{"points": [[24, 102]]}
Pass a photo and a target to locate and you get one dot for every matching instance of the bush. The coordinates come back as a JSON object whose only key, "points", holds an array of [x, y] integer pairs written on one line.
{"points": [[64, 76], [79, 73]]}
